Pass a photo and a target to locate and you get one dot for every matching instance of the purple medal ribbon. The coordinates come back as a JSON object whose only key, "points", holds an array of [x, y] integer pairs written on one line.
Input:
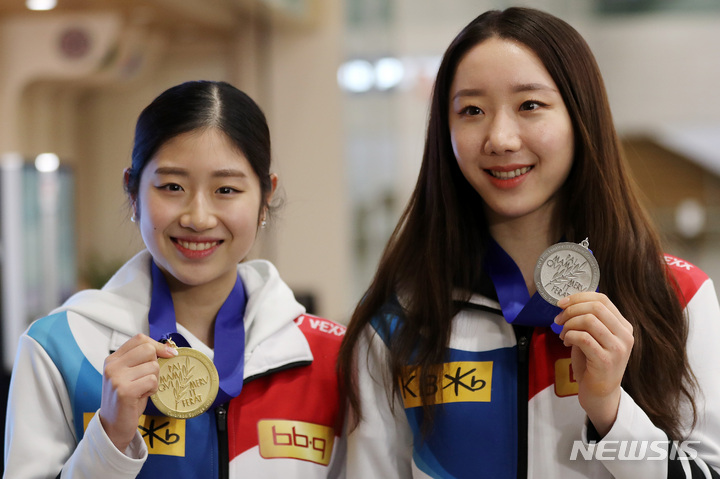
{"points": [[515, 301], [229, 334]]}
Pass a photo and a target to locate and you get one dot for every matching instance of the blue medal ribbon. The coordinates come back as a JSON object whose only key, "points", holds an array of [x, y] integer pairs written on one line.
{"points": [[229, 334], [515, 301]]}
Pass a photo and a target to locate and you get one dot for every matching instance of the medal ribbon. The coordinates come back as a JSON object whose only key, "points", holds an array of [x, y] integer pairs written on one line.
{"points": [[515, 301], [229, 334]]}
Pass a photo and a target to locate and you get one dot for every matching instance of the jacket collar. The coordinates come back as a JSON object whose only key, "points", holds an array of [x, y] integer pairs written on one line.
{"points": [[272, 339]]}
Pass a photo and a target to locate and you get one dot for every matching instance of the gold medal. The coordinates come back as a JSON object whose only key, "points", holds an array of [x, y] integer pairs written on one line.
{"points": [[564, 269], [188, 384]]}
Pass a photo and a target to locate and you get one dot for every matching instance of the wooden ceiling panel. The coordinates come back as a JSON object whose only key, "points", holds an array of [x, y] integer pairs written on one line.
{"points": [[218, 15]]}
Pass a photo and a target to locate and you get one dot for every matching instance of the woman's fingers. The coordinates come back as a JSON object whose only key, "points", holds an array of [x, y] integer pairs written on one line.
{"points": [[130, 376], [142, 348], [596, 305]]}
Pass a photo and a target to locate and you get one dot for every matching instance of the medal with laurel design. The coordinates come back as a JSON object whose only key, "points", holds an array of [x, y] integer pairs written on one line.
{"points": [[564, 269], [188, 384]]}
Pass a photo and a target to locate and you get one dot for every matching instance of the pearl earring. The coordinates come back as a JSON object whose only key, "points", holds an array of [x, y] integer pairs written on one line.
{"points": [[263, 223]]}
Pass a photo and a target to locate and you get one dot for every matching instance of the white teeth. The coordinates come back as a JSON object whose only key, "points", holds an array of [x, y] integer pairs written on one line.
{"points": [[197, 246], [506, 175]]}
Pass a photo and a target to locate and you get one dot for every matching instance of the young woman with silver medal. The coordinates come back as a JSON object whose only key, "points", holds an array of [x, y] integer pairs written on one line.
{"points": [[218, 342], [524, 316]]}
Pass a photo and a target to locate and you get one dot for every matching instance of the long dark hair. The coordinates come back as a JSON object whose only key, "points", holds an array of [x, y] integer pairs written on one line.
{"points": [[198, 105], [439, 242]]}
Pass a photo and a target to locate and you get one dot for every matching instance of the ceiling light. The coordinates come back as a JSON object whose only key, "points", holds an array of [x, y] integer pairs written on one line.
{"points": [[47, 162], [389, 72], [356, 76], [41, 4]]}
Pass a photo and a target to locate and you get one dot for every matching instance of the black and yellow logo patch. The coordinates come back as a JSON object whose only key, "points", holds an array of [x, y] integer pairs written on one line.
{"points": [[462, 381], [162, 435], [565, 383]]}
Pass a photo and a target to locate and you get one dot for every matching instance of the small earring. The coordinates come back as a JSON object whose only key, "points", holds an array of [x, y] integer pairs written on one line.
{"points": [[133, 218], [263, 223]]}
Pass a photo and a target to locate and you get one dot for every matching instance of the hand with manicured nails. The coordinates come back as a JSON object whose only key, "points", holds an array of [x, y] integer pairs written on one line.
{"points": [[130, 377], [601, 340]]}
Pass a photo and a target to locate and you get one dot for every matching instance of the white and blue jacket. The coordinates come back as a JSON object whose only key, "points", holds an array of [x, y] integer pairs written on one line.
{"points": [[286, 422]]}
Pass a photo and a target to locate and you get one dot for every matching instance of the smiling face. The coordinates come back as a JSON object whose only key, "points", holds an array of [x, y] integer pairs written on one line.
{"points": [[199, 207], [511, 133]]}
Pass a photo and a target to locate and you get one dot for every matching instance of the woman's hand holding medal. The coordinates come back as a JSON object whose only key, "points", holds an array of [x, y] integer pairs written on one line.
{"points": [[567, 275], [130, 377], [601, 340]]}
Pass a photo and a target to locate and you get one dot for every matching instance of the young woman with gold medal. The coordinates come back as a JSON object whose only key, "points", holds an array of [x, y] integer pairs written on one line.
{"points": [[242, 381]]}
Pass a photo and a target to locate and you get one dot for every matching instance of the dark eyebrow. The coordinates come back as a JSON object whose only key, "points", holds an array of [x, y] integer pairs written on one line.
{"points": [[168, 170], [522, 87], [468, 92], [533, 87], [228, 173], [225, 173]]}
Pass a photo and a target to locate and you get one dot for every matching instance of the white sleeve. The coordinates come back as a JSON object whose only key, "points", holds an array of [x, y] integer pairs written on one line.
{"points": [[336, 468], [381, 444], [39, 435], [699, 455], [96, 456]]}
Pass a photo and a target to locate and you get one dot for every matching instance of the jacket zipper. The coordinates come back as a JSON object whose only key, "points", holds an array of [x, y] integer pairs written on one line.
{"points": [[222, 434], [523, 342]]}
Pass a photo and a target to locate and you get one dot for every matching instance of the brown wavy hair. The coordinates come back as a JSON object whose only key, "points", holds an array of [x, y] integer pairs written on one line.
{"points": [[439, 243]]}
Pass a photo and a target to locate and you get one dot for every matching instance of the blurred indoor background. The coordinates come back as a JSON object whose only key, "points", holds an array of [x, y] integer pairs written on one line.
{"points": [[345, 86]]}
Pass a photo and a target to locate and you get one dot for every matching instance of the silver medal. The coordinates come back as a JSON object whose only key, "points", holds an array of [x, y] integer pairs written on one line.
{"points": [[564, 269]]}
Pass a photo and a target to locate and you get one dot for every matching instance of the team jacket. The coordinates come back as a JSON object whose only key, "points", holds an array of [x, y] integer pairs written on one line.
{"points": [[286, 422], [509, 398]]}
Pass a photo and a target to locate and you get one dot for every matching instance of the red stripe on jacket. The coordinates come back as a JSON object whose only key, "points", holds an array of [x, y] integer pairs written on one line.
{"points": [[308, 393]]}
